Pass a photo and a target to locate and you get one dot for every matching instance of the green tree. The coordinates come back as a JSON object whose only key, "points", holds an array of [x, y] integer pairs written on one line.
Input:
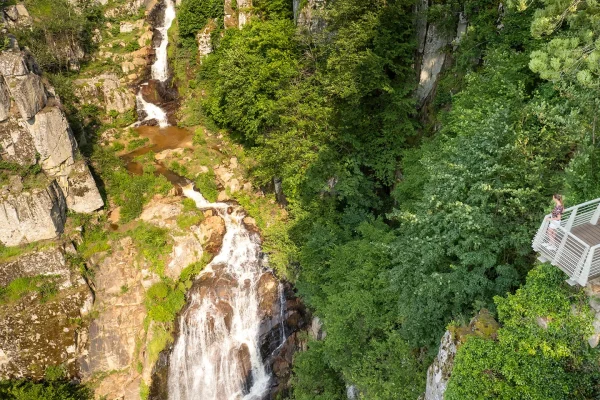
{"points": [[540, 351]]}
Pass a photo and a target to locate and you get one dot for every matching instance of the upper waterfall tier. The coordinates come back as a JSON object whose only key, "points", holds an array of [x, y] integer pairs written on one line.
{"points": [[160, 68]]}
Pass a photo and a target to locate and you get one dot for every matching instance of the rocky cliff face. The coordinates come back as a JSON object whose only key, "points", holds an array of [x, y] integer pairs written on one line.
{"points": [[34, 215], [439, 372], [433, 49], [37, 333], [308, 17], [34, 130]]}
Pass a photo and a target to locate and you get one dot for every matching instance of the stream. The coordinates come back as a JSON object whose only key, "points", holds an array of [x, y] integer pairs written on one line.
{"points": [[229, 329]]}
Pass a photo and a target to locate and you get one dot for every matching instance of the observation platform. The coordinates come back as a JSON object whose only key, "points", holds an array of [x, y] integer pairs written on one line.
{"points": [[575, 245]]}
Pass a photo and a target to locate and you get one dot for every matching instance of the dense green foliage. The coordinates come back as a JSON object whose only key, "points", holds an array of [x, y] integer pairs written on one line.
{"points": [[540, 352], [60, 31], [24, 390], [193, 15], [398, 229]]}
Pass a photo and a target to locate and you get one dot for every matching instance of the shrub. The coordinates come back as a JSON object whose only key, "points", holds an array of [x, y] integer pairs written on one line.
{"points": [[207, 185]]}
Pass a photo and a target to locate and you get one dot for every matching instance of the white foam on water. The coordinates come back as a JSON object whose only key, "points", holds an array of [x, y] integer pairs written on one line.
{"points": [[160, 68], [152, 111], [205, 362]]}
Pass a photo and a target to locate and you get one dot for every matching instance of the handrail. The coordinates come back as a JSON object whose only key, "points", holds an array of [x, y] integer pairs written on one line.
{"points": [[565, 249], [587, 203]]}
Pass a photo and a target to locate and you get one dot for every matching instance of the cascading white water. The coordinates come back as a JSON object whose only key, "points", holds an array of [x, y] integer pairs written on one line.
{"points": [[152, 111], [205, 362], [160, 68]]}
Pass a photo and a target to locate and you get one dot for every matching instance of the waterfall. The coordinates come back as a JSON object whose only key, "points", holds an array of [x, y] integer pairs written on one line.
{"points": [[160, 68], [216, 355], [152, 111]]}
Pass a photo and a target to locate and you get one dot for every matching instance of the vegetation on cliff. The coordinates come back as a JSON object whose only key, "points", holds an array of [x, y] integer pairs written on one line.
{"points": [[401, 221], [400, 228]]}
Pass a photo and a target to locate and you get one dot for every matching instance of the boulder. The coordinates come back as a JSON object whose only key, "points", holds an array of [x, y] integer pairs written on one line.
{"points": [[12, 63], [16, 142], [32, 216], [4, 100], [53, 140], [17, 15], [211, 233], [28, 93], [81, 191]]}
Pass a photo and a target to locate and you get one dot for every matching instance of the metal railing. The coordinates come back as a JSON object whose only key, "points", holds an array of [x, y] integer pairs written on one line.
{"points": [[565, 250]]}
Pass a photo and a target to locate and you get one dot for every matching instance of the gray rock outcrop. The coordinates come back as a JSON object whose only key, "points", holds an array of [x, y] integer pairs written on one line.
{"points": [[5, 102], [433, 58], [106, 92], [16, 144], [12, 63], [243, 7], [308, 16], [28, 93], [53, 140], [439, 372], [82, 193], [203, 38], [32, 123], [16, 15], [31, 216]]}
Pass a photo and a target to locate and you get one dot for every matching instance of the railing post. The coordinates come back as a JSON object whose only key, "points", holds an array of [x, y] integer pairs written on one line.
{"points": [[571, 220], [539, 237], [596, 216], [584, 272]]}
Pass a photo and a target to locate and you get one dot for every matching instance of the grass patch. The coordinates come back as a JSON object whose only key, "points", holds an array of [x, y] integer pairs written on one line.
{"points": [[137, 143], [130, 192], [44, 286], [154, 244], [185, 221]]}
